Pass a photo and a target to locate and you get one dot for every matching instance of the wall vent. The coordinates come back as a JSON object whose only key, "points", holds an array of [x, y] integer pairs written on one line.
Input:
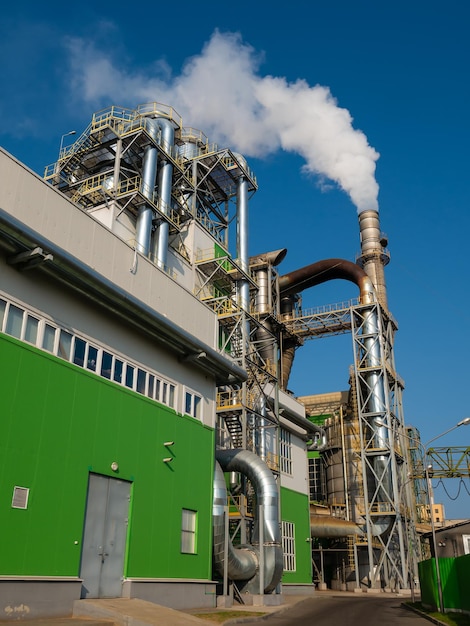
{"points": [[20, 498]]}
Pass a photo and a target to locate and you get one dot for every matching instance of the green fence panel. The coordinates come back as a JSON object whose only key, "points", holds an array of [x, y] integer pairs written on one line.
{"points": [[454, 575], [450, 583], [428, 583], [463, 575]]}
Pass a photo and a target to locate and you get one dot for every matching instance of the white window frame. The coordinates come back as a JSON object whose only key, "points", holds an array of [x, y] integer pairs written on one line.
{"points": [[188, 531], [285, 451], [466, 544], [195, 404], [288, 546]]}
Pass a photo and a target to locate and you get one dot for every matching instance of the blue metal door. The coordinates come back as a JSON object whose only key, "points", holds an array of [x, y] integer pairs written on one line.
{"points": [[104, 537]]}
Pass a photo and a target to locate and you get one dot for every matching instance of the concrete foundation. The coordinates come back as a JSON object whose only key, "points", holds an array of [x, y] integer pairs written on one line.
{"points": [[176, 594], [33, 597]]}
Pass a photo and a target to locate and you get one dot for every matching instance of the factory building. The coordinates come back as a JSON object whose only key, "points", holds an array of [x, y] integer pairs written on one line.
{"points": [[127, 361], [150, 447]]}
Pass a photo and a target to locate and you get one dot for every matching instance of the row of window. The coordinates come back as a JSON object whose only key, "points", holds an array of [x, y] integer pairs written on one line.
{"points": [[26, 326]]}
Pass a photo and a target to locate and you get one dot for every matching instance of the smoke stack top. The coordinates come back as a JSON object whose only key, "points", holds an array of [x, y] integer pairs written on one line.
{"points": [[221, 91]]}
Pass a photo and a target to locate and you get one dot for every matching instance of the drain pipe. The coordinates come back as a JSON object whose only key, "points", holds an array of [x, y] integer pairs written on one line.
{"points": [[266, 539]]}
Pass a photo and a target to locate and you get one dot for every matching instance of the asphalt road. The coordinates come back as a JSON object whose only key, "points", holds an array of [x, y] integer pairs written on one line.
{"points": [[345, 611]]}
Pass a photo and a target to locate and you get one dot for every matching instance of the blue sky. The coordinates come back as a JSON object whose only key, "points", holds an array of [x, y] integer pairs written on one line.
{"points": [[394, 75]]}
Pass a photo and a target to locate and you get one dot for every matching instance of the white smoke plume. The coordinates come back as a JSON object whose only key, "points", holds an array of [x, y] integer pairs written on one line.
{"points": [[221, 92]]}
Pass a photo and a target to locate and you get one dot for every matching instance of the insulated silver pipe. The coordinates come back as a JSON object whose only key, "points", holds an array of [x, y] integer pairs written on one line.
{"points": [[267, 497], [165, 176], [241, 562], [149, 174], [242, 238], [376, 408]]}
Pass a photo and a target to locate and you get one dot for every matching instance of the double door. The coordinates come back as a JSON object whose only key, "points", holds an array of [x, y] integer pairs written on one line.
{"points": [[104, 539]]}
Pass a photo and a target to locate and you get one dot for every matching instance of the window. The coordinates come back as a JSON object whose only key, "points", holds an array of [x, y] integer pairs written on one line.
{"points": [[286, 452], [118, 365], [193, 405], [48, 338], [79, 352], [106, 365], [188, 531], [288, 546], [92, 357], [14, 321], [466, 543], [151, 386], [130, 371], [20, 498], [31, 329], [141, 377], [65, 345], [3, 306]]}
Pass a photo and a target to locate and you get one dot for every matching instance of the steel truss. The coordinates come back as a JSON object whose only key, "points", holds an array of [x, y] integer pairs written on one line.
{"points": [[387, 497]]}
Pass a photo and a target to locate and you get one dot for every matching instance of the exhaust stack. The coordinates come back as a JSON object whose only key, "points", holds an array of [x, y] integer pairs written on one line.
{"points": [[374, 256]]}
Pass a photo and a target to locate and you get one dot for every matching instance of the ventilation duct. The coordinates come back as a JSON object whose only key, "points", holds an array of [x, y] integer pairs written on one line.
{"points": [[260, 564]]}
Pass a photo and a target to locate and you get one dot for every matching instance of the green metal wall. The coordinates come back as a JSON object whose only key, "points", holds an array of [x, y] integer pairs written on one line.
{"points": [[58, 423], [295, 508], [454, 575]]}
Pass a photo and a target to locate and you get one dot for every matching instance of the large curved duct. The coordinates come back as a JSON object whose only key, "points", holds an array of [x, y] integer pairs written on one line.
{"points": [[310, 276], [323, 271], [261, 563], [242, 562]]}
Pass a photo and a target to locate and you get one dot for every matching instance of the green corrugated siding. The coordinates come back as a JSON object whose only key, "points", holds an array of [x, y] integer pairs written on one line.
{"points": [[58, 424], [295, 508], [454, 575]]}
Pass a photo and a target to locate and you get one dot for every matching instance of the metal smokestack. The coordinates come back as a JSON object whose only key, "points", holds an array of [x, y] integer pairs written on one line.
{"points": [[374, 256]]}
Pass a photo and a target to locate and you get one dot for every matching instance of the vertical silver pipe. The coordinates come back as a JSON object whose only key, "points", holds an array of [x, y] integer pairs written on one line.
{"points": [[165, 176], [376, 405], [149, 173], [117, 165], [242, 239]]}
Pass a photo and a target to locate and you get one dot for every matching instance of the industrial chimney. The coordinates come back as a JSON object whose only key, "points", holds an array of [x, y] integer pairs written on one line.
{"points": [[374, 256]]}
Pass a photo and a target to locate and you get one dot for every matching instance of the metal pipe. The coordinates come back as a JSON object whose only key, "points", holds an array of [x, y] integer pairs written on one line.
{"points": [[165, 176], [261, 266], [242, 239], [323, 271], [373, 256], [266, 490], [149, 174], [327, 526], [242, 562]]}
